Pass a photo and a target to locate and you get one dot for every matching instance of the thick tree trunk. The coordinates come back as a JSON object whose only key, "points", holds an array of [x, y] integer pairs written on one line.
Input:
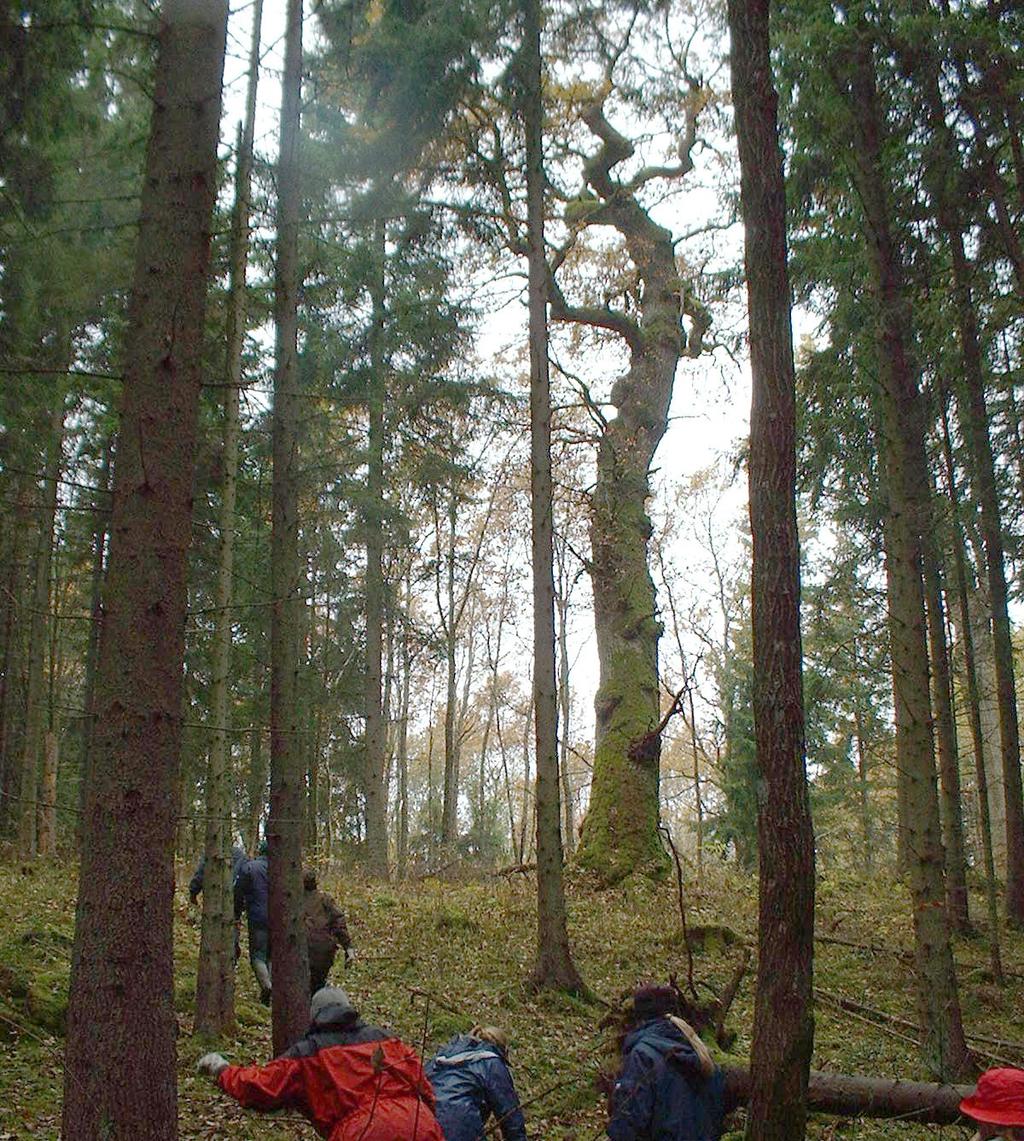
{"points": [[120, 1077], [909, 514], [783, 1019], [287, 764], [553, 966], [620, 831], [215, 980]]}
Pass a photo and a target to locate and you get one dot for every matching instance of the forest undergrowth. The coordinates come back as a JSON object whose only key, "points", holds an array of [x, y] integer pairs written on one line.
{"points": [[436, 956]]}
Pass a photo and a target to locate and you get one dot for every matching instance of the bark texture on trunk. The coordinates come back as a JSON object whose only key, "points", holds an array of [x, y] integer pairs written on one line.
{"points": [[120, 1077], [783, 1019], [287, 764], [620, 830]]}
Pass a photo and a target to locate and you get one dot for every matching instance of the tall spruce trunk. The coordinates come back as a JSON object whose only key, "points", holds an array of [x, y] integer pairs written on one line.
{"points": [[120, 1074], [783, 1021], [215, 979], [402, 749], [101, 507], [48, 793], [974, 418], [950, 802], [553, 966], [565, 713], [973, 706], [941, 169], [450, 787], [39, 636], [287, 764], [909, 514], [11, 662], [374, 786]]}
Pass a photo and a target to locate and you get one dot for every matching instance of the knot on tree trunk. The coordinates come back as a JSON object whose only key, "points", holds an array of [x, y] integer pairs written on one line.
{"points": [[646, 750]]}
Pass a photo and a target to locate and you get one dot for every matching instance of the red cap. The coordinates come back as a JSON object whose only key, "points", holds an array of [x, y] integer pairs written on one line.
{"points": [[998, 1098]]}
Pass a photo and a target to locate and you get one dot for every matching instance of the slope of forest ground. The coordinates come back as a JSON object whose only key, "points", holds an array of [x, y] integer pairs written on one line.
{"points": [[436, 956]]}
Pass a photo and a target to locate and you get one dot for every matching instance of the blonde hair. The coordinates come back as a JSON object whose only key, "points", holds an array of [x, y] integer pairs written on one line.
{"points": [[493, 1034]]}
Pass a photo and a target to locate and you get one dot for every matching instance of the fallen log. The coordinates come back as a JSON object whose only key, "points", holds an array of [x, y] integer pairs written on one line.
{"points": [[849, 1095]]}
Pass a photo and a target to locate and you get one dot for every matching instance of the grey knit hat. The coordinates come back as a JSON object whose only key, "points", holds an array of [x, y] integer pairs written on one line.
{"points": [[332, 996]]}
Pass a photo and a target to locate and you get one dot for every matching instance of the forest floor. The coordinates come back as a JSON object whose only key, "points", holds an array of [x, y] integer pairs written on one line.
{"points": [[435, 957]]}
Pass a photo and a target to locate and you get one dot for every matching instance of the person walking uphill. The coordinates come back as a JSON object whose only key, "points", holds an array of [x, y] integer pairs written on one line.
{"points": [[252, 894], [471, 1080], [326, 931], [669, 1088], [353, 1081]]}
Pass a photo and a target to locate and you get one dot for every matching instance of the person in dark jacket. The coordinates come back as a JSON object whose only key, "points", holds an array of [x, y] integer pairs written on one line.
{"points": [[195, 884], [471, 1081], [252, 897], [326, 931], [353, 1081], [668, 1087]]}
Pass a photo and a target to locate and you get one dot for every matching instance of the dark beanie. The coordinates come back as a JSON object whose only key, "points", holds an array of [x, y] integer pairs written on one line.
{"points": [[650, 1001]]}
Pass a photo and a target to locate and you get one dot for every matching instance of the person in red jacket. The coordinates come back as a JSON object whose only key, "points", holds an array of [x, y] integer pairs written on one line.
{"points": [[353, 1081]]}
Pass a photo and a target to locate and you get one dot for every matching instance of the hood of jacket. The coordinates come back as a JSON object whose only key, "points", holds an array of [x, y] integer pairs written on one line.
{"points": [[659, 1034], [464, 1048]]}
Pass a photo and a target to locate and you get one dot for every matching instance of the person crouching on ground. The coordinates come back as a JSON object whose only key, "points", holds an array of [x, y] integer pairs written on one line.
{"points": [[471, 1080], [997, 1104], [355, 1082], [668, 1084]]}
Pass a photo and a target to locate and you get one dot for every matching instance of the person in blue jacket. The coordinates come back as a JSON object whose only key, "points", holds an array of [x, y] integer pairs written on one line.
{"points": [[252, 897], [471, 1081], [195, 884], [668, 1087]]}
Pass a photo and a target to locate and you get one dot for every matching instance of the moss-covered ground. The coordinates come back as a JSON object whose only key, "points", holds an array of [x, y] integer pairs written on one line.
{"points": [[436, 956]]}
